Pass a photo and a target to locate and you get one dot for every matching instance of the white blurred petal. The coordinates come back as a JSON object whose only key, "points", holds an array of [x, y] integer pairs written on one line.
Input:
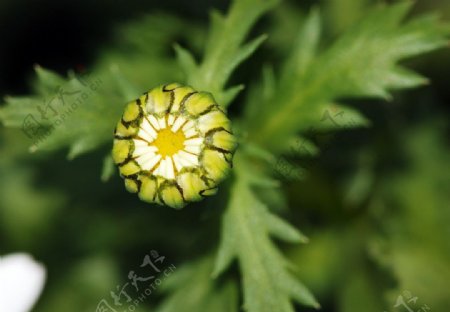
{"points": [[21, 282]]}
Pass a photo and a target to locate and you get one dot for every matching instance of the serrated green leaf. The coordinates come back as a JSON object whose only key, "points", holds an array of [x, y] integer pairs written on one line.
{"points": [[75, 117], [363, 62], [288, 168], [284, 231], [300, 146], [282, 165], [17, 109], [338, 117], [185, 59], [224, 50], [260, 93], [125, 88], [80, 146], [230, 94], [48, 82], [246, 229], [402, 78], [80, 112], [305, 48], [255, 151], [242, 54]]}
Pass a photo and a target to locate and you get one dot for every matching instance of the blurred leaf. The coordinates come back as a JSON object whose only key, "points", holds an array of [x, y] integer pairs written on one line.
{"points": [[108, 168], [202, 294], [321, 263], [416, 217], [360, 183], [26, 212], [360, 293], [83, 285]]}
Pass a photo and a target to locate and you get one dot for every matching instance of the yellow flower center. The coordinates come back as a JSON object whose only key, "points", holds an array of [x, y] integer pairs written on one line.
{"points": [[169, 142]]}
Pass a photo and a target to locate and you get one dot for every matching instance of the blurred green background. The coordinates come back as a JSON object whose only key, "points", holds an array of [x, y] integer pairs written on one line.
{"points": [[375, 203]]}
